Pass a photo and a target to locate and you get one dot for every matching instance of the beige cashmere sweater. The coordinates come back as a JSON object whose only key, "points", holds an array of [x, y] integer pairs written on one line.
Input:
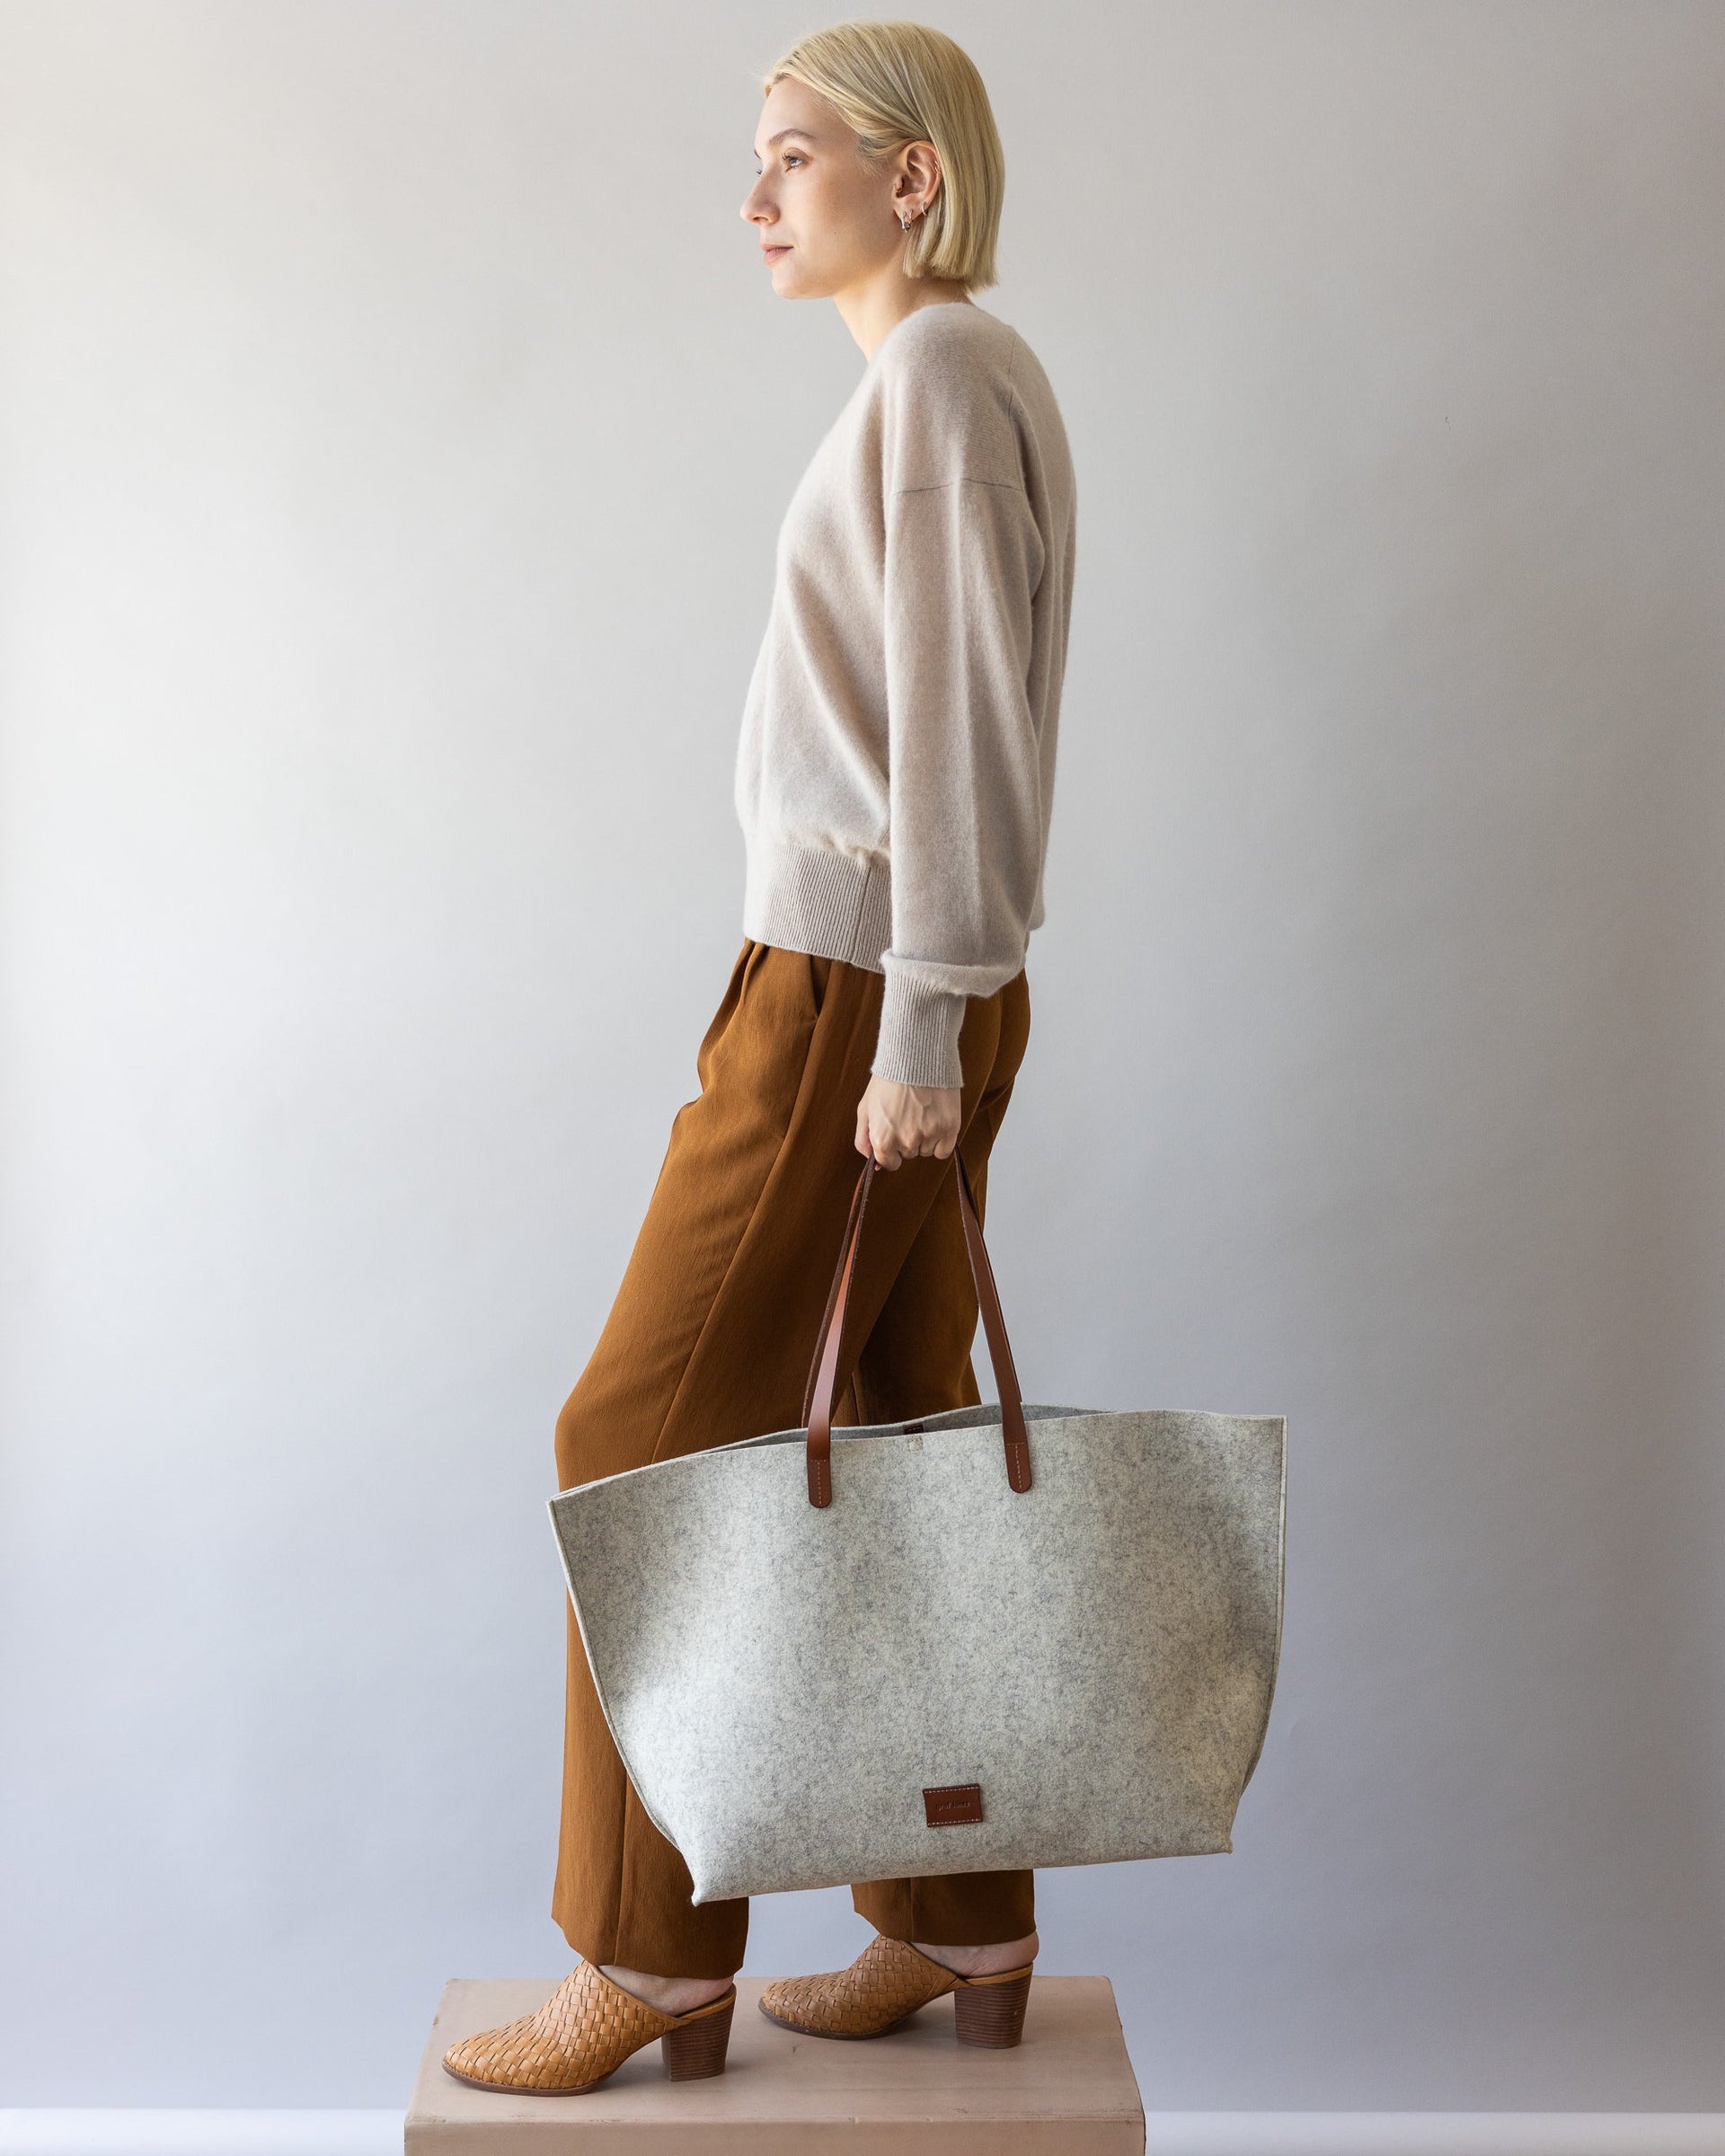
{"points": [[895, 773]]}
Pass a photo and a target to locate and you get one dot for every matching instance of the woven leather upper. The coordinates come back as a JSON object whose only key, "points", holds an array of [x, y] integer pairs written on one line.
{"points": [[887, 1981], [584, 2031]]}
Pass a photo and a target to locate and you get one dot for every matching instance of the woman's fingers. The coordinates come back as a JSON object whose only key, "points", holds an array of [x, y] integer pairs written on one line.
{"points": [[896, 1124]]}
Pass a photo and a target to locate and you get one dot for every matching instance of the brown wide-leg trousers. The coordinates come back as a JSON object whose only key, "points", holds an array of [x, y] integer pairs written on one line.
{"points": [[710, 1339]]}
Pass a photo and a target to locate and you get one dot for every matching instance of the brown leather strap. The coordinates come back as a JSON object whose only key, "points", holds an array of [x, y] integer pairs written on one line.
{"points": [[823, 1375], [859, 1198], [1012, 1406]]}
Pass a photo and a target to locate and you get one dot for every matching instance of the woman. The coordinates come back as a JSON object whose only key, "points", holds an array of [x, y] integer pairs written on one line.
{"points": [[894, 780]]}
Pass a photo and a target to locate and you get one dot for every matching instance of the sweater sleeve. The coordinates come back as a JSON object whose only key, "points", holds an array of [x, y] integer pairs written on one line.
{"points": [[963, 559]]}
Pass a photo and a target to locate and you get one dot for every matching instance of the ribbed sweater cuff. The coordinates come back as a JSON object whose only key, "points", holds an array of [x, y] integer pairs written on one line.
{"points": [[918, 1042]]}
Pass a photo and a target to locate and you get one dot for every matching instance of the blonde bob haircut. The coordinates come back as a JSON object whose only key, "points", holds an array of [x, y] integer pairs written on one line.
{"points": [[898, 83]]}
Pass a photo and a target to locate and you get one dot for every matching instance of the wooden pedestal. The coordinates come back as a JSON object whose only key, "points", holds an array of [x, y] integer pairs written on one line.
{"points": [[1067, 2089]]}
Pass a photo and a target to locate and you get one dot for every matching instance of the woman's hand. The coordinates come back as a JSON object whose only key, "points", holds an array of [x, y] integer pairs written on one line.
{"points": [[898, 1122]]}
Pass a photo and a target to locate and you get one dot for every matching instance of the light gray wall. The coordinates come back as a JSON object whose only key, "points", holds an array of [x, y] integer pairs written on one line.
{"points": [[395, 427]]}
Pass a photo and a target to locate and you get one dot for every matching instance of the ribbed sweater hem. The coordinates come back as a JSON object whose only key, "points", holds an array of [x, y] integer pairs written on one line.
{"points": [[815, 899], [839, 906]]}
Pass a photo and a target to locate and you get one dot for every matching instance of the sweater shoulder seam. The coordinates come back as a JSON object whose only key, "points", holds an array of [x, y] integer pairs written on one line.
{"points": [[964, 479]]}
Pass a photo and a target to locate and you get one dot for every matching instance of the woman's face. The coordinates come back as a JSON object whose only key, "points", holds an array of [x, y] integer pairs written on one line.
{"points": [[825, 215]]}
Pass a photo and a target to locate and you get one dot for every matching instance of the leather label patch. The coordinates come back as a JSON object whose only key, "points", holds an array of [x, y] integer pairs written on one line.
{"points": [[958, 1803]]}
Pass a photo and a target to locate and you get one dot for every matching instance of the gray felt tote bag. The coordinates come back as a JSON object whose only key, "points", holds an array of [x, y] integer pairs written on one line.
{"points": [[992, 1638]]}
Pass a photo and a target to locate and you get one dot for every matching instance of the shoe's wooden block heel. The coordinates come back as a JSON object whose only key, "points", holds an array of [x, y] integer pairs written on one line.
{"points": [[698, 2049], [992, 2014]]}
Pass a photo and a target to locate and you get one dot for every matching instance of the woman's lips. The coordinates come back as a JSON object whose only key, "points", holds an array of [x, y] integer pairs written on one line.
{"points": [[772, 253]]}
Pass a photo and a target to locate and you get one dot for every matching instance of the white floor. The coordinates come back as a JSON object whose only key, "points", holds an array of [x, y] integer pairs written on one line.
{"points": [[117, 2133]]}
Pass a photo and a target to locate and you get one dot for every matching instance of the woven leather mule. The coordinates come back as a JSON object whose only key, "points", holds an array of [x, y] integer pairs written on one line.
{"points": [[886, 1985], [584, 2032]]}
